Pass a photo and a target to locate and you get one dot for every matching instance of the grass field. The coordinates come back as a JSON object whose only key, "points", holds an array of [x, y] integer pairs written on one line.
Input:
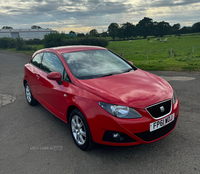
{"points": [[177, 54]]}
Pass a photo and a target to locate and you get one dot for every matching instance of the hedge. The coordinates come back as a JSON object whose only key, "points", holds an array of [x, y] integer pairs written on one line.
{"points": [[6, 42], [21, 45], [34, 42], [18, 43], [56, 39], [87, 41]]}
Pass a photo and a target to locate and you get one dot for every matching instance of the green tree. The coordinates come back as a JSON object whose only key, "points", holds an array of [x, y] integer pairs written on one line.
{"points": [[121, 33], [80, 35], [35, 27], [54, 39], [72, 32], [186, 30], [104, 34], [164, 28], [145, 27], [93, 33], [155, 29], [176, 28], [113, 30], [6, 27], [196, 27], [127, 30]]}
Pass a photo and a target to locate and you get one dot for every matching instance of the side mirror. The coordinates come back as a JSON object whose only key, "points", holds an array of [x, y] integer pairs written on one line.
{"points": [[54, 76], [130, 62]]}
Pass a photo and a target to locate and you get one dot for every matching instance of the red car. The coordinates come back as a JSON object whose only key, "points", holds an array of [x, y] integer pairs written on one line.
{"points": [[104, 98]]}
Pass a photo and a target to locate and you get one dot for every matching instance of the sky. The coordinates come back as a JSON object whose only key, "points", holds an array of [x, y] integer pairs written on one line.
{"points": [[82, 16]]}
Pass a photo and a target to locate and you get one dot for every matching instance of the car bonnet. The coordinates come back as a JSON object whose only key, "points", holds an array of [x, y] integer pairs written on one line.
{"points": [[137, 89]]}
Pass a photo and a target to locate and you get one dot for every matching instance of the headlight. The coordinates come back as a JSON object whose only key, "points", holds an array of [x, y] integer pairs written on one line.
{"points": [[120, 111], [174, 97]]}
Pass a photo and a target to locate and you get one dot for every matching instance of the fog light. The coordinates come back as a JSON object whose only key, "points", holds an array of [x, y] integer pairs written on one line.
{"points": [[116, 135]]}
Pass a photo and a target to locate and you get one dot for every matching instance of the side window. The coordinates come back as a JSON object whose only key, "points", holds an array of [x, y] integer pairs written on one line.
{"points": [[51, 62], [37, 60]]}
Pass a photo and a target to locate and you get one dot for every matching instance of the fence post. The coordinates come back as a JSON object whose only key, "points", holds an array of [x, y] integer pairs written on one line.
{"points": [[121, 54], [193, 49], [171, 51]]}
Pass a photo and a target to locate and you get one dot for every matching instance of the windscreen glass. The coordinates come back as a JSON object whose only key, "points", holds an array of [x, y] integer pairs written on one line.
{"points": [[95, 63]]}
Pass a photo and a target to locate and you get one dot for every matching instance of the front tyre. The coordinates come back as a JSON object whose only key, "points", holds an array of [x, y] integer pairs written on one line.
{"points": [[80, 130], [29, 97]]}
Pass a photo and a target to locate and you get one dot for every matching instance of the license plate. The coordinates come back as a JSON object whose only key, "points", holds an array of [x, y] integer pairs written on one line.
{"points": [[161, 123]]}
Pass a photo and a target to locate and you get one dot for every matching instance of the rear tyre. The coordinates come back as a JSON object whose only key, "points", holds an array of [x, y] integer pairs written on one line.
{"points": [[29, 97], [80, 130]]}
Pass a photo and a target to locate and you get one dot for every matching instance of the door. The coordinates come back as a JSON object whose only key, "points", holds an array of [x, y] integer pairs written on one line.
{"points": [[53, 95]]}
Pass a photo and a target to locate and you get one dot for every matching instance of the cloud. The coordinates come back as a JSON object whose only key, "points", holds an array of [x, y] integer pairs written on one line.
{"points": [[168, 3], [65, 15], [84, 12]]}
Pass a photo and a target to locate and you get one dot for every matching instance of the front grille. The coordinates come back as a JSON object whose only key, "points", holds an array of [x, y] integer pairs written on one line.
{"points": [[150, 136], [160, 109]]}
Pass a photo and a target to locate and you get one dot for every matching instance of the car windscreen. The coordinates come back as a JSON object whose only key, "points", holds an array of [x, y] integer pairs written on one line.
{"points": [[95, 63]]}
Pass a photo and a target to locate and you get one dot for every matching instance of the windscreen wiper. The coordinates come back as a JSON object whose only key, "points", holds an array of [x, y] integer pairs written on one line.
{"points": [[108, 75], [128, 70]]}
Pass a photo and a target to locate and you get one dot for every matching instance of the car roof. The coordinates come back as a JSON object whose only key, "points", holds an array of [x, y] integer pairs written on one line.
{"points": [[67, 49]]}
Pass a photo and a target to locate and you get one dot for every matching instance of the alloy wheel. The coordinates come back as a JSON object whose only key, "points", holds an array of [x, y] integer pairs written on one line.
{"points": [[28, 93], [78, 129]]}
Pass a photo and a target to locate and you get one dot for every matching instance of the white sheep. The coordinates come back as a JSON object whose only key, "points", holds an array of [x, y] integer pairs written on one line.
{"points": [[165, 40]]}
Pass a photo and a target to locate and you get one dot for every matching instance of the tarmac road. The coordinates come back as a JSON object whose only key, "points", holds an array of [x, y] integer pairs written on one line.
{"points": [[34, 141]]}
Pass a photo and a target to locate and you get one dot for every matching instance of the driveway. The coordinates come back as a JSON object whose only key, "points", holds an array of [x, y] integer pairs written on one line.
{"points": [[32, 140]]}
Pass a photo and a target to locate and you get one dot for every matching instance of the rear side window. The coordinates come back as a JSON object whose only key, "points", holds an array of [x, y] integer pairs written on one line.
{"points": [[37, 60], [51, 63]]}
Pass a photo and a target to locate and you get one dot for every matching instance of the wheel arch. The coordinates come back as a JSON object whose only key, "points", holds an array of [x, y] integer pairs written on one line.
{"points": [[24, 82], [69, 110]]}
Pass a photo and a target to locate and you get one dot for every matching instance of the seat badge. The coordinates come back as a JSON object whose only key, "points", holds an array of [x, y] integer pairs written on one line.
{"points": [[162, 109]]}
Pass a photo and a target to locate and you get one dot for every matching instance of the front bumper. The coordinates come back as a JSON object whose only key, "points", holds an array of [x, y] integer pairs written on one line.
{"points": [[132, 131]]}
